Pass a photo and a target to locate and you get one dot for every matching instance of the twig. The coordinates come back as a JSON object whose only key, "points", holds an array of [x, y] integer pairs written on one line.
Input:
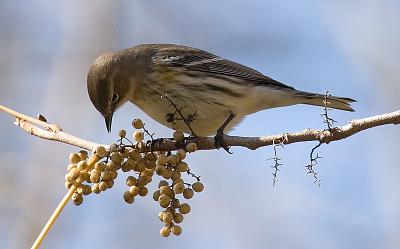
{"points": [[61, 206], [277, 163], [314, 161], [178, 110], [207, 143]]}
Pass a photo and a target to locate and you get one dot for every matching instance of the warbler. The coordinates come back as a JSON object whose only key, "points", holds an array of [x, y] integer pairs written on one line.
{"points": [[214, 93]]}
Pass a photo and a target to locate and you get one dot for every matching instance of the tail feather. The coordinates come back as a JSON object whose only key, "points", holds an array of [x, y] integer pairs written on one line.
{"points": [[340, 103]]}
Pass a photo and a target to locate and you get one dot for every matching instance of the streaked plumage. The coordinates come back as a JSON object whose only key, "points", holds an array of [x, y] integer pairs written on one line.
{"points": [[201, 82]]}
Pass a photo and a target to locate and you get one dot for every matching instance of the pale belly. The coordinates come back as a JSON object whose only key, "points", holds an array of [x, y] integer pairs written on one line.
{"points": [[206, 118]]}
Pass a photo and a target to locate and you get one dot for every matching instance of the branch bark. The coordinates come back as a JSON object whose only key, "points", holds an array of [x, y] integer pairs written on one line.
{"points": [[53, 132]]}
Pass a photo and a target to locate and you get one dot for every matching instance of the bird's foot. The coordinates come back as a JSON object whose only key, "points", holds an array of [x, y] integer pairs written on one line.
{"points": [[219, 141]]}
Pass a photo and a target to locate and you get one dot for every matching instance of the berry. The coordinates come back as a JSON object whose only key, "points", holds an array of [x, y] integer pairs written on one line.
{"points": [[137, 123], [122, 133], [176, 230], [128, 197], [184, 208], [188, 193], [74, 158], [197, 186], [165, 231], [138, 136]]}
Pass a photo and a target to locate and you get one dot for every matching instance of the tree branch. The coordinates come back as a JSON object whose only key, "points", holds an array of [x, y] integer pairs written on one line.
{"points": [[53, 132]]}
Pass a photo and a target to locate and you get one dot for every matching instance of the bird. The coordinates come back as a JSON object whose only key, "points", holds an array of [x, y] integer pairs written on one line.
{"points": [[213, 92]]}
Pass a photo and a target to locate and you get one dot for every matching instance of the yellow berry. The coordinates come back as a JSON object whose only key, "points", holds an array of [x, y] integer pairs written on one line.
{"points": [[143, 191], [184, 208], [167, 218], [114, 147], [162, 183], [110, 184], [68, 184], [140, 166], [138, 136], [161, 160], [103, 186], [191, 147], [178, 218], [197, 186], [124, 152], [134, 155], [101, 151], [100, 166], [164, 200], [131, 180], [86, 189], [74, 173], [180, 180], [150, 156], [143, 180], [173, 159], [106, 175], [122, 133], [77, 198], [116, 157], [74, 158], [160, 170], [156, 195], [83, 154], [70, 166], [167, 174], [161, 215], [95, 176], [128, 197], [182, 167], [165, 231], [96, 189], [188, 193], [148, 172], [179, 188], [181, 153], [176, 230], [127, 165], [114, 175], [178, 136], [137, 123], [176, 203], [82, 165], [134, 190], [175, 175], [165, 190]]}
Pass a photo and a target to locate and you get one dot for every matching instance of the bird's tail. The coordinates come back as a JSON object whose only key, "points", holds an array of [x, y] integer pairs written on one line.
{"points": [[340, 103]]}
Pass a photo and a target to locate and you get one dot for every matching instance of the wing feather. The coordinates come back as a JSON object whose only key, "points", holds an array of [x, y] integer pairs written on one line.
{"points": [[202, 61]]}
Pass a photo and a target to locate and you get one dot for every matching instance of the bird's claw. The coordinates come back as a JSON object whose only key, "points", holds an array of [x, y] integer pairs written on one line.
{"points": [[219, 141]]}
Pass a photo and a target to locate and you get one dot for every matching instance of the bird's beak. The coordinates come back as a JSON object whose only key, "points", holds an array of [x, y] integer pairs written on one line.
{"points": [[108, 120]]}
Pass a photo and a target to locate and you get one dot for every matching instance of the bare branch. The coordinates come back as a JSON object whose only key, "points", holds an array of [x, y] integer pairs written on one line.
{"points": [[30, 125], [51, 131]]}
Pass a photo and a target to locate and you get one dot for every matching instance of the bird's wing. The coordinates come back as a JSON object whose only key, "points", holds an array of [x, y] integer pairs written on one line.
{"points": [[198, 60]]}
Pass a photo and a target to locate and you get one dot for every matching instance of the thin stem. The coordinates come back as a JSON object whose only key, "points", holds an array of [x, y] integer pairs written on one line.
{"points": [[61, 206]]}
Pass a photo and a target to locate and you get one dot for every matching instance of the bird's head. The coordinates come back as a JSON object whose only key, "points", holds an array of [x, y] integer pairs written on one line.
{"points": [[108, 85]]}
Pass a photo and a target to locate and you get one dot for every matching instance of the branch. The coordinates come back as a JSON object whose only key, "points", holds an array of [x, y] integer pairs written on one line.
{"points": [[32, 126], [51, 132]]}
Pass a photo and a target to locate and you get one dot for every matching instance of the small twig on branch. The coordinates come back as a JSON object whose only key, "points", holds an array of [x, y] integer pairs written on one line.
{"points": [[277, 163], [178, 110], [313, 162], [207, 143]]}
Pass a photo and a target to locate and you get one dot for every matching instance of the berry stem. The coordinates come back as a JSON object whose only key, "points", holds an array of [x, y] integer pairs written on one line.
{"points": [[95, 158]]}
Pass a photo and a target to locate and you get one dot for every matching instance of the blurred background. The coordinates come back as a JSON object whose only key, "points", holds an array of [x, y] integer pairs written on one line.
{"points": [[348, 47]]}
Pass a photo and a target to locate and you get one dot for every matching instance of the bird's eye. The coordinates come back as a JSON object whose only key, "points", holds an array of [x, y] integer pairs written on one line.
{"points": [[115, 97]]}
